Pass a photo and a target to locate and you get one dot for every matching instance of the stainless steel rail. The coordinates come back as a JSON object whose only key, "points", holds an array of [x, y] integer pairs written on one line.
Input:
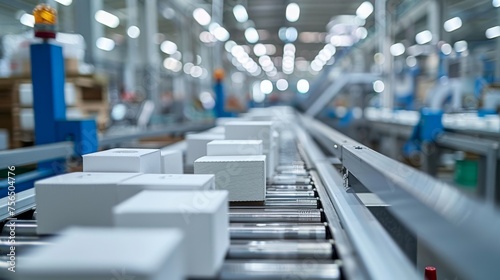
{"points": [[22, 156], [457, 228], [376, 251]]}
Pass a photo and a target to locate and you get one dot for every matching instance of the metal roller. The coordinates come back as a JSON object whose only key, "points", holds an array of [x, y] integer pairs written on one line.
{"points": [[286, 167], [22, 238], [277, 231], [271, 270], [278, 207], [20, 246], [291, 180], [20, 228], [290, 187], [289, 193], [299, 172], [4, 266], [302, 200], [261, 215], [281, 249], [292, 203]]}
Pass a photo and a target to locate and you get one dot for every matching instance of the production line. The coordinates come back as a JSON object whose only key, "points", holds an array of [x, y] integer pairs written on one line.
{"points": [[173, 139], [289, 226], [308, 215]]}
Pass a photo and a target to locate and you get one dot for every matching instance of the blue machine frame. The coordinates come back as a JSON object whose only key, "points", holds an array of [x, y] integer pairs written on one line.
{"points": [[47, 71]]}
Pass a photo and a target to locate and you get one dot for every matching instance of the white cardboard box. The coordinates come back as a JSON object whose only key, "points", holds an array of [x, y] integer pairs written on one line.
{"points": [[255, 130], [77, 199], [201, 215], [234, 147], [250, 130], [172, 162], [243, 176], [123, 160], [165, 182], [26, 94], [216, 130], [87, 199], [107, 253], [197, 145], [223, 121]]}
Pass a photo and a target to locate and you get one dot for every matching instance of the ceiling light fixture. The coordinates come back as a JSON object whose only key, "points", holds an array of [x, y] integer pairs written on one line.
{"points": [[240, 13], [452, 24], [292, 12], [251, 35], [201, 16], [107, 19], [364, 10]]}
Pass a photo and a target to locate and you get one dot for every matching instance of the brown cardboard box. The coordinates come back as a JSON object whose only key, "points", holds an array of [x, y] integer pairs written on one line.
{"points": [[23, 67]]}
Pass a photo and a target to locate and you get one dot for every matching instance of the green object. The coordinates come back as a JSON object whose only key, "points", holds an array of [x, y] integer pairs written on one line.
{"points": [[466, 172]]}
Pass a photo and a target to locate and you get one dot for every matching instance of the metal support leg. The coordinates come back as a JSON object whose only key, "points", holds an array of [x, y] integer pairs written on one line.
{"points": [[132, 49], [491, 176], [153, 58], [430, 158]]}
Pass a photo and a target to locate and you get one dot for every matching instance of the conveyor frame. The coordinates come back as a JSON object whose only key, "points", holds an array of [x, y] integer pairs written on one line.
{"points": [[458, 229]]}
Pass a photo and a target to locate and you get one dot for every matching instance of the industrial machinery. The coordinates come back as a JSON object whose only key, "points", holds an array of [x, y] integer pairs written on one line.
{"points": [[335, 210]]}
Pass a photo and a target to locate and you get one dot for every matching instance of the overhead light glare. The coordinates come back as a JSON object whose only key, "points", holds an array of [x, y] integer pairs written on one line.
{"points": [[397, 49], [493, 32], [201, 16], [452, 24], [364, 10], [27, 19], [302, 86], [251, 35], [133, 32], [240, 13], [423, 37], [292, 12], [107, 19], [105, 44]]}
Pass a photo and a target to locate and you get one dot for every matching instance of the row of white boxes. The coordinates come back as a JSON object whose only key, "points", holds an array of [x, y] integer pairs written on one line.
{"points": [[123, 217], [230, 151]]}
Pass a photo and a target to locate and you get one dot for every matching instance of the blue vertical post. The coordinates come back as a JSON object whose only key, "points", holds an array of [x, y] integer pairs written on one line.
{"points": [[47, 74], [219, 99]]}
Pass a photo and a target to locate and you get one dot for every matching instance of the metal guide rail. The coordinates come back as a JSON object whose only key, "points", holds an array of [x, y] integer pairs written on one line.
{"points": [[459, 230], [287, 237]]}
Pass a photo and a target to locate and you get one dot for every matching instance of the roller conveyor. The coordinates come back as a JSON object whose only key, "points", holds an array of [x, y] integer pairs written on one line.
{"points": [[272, 231], [282, 249], [289, 226], [270, 270], [20, 227], [290, 193], [290, 188], [291, 180], [275, 215], [21, 245]]}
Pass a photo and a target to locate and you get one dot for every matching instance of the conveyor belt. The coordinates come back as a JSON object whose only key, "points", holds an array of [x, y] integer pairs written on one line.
{"points": [[286, 237]]}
